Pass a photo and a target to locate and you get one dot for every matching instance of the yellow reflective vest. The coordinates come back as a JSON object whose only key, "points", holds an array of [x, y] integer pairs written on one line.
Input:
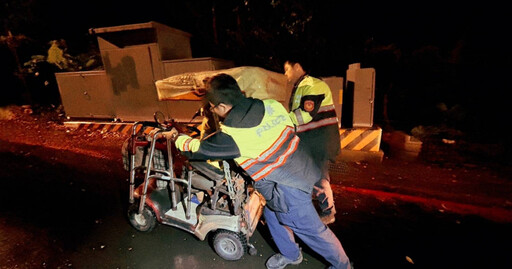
{"points": [[259, 135], [311, 105], [312, 111]]}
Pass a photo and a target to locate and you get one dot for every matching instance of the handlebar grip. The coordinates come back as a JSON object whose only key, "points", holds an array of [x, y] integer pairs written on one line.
{"points": [[149, 124]]}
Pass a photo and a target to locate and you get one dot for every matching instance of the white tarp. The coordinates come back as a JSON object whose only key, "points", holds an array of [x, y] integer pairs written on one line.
{"points": [[256, 82]]}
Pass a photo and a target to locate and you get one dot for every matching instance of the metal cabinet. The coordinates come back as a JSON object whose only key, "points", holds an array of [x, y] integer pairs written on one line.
{"points": [[360, 89], [134, 56], [131, 76], [86, 94], [336, 86]]}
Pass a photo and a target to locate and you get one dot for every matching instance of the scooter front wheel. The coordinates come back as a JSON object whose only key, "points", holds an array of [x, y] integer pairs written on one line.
{"points": [[229, 245], [144, 222]]}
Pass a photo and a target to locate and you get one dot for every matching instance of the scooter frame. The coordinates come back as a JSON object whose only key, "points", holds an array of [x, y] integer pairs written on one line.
{"points": [[230, 229]]}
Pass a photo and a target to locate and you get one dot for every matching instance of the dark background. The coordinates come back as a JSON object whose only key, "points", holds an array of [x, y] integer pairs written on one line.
{"points": [[438, 63]]}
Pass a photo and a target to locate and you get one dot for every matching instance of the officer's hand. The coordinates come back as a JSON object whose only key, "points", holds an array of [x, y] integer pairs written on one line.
{"points": [[171, 135]]}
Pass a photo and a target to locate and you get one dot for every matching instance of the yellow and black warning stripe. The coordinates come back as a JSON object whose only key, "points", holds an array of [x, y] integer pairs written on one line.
{"points": [[363, 139], [125, 128]]}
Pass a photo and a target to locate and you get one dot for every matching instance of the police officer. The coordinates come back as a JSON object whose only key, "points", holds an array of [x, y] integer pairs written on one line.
{"points": [[312, 111], [260, 136]]}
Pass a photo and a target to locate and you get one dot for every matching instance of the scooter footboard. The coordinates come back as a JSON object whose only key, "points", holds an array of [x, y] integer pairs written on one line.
{"points": [[253, 210]]}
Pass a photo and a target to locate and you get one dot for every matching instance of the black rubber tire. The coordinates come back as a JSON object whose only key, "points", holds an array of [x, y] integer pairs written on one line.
{"points": [[229, 245], [144, 222]]}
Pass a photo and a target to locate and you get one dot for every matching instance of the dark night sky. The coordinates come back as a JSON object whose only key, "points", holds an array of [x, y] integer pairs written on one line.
{"points": [[411, 24]]}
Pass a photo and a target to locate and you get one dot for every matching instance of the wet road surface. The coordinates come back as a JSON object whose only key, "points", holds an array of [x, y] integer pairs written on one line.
{"points": [[63, 209]]}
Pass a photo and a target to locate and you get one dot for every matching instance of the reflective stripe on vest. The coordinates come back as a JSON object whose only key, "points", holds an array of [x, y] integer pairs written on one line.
{"points": [[298, 116], [326, 108], [273, 157], [318, 121], [266, 147], [186, 144]]}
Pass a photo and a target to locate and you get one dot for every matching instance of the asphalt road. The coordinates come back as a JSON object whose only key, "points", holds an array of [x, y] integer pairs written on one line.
{"points": [[58, 215], [64, 198]]}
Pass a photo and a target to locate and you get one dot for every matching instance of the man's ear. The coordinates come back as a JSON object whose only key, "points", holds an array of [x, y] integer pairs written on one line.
{"points": [[298, 67], [224, 108]]}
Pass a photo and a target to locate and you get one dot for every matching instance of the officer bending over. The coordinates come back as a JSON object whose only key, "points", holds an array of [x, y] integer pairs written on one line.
{"points": [[260, 136]]}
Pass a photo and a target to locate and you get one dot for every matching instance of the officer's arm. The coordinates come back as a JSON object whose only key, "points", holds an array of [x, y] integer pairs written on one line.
{"points": [[308, 108], [215, 147]]}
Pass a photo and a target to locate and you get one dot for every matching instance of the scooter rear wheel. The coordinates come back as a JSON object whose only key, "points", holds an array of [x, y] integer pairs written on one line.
{"points": [[229, 245], [144, 222]]}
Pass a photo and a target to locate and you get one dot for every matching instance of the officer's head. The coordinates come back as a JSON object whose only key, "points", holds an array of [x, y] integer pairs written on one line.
{"points": [[222, 92], [295, 66]]}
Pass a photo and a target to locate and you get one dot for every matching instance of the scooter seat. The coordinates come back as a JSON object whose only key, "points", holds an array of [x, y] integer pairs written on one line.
{"points": [[208, 211], [208, 170]]}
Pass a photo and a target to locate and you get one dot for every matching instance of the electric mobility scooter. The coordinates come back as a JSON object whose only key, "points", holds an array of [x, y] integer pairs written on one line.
{"points": [[206, 198]]}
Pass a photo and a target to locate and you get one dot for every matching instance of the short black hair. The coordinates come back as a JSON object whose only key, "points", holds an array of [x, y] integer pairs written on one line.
{"points": [[223, 88], [298, 58]]}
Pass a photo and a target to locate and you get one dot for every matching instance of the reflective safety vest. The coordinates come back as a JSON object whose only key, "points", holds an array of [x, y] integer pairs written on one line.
{"points": [[263, 148], [311, 105]]}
